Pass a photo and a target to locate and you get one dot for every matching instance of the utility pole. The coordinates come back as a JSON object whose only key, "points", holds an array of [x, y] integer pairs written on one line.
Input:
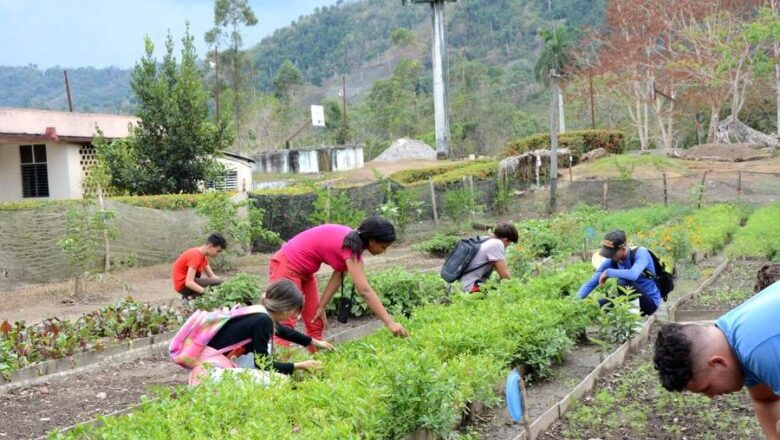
{"points": [[553, 139], [439, 58], [592, 105], [67, 91], [345, 124]]}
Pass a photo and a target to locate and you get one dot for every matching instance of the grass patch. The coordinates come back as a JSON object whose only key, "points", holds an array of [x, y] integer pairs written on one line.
{"points": [[759, 238]]}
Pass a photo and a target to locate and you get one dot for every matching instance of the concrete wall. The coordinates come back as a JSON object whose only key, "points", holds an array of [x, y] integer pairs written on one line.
{"points": [[243, 172], [310, 161], [63, 170]]}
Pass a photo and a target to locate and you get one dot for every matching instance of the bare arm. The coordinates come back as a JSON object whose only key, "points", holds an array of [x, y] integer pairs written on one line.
{"points": [[767, 406], [189, 281], [330, 289], [356, 271], [502, 269], [209, 272]]}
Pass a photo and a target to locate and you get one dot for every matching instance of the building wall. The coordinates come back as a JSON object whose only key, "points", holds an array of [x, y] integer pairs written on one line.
{"points": [[243, 172], [62, 167], [310, 161]]}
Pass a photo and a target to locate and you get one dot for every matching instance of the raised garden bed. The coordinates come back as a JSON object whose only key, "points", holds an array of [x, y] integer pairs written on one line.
{"points": [[730, 288], [631, 404]]}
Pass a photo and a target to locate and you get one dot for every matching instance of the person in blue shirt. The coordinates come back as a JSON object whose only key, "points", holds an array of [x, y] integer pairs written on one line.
{"points": [[632, 269], [741, 349]]}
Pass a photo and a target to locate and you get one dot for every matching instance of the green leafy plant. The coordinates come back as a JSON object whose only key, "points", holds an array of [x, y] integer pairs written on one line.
{"points": [[401, 207], [239, 289], [333, 206], [439, 246], [85, 227], [758, 239], [461, 204], [618, 320]]}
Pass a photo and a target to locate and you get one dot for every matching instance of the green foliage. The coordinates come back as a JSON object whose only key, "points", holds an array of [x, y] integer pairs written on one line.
{"points": [[401, 207], [35, 204], [759, 238], [172, 148], [85, 229], [333, 206], [241, 289], [439, 246], [164, 201], [238, 230], [400, 291], [579, 142], [22, 345], [456, 355], [402, 37], [461, 204], [713, 226], [393, 103], [618, 320], [449, 173], [286, 79], [557, 53]]}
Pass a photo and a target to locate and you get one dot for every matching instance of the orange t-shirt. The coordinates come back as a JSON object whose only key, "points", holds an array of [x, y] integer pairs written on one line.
{"points": [[191, 258]]}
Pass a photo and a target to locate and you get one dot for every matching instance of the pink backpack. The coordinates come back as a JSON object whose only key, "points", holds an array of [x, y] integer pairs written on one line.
{"points": [[189, 342]]}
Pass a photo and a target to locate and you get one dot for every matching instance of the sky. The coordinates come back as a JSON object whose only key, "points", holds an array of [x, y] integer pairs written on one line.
{"points": [[102, 33]]}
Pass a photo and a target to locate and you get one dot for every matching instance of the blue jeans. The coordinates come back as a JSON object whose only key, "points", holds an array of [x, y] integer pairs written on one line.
{"points": [[646, 304]]}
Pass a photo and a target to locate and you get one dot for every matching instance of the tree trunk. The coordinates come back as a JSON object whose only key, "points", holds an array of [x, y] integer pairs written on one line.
{"points": [[714, 120], [562, 124]]}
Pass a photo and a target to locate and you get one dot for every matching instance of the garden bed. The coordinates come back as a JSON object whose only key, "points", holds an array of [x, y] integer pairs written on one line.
{"points": [[631, 404], [730, 288]]}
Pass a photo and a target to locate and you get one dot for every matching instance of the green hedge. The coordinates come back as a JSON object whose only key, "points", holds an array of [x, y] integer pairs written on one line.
{"points": [[34, 204], [381, 387], [448, 173], [163, 201], [579, 142]]}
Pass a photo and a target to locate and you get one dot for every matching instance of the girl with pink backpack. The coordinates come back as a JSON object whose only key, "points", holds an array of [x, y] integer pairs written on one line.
{"points": [[218, 338]]}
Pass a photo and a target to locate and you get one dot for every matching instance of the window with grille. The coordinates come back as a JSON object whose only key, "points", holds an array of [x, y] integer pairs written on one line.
{"points": [[35, 180], [228, 183]]}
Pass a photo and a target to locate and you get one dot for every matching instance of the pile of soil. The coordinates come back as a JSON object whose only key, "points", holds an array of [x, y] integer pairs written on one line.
{"points": [[406, 149], [725, 153]]}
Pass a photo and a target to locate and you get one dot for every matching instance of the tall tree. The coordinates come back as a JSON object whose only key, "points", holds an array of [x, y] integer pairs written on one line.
{"points": [[229, 18], [286, 78], [172, 148], [556, 55]]}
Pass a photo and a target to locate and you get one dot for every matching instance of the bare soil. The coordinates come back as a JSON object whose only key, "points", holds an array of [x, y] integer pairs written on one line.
{"points": [[725, 153], [732, 287]]}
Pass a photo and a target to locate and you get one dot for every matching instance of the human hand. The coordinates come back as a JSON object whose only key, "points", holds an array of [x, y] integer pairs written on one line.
{"points": [[324, 345], [603, 278], [397, 329], [320, 314], [309, 365]]}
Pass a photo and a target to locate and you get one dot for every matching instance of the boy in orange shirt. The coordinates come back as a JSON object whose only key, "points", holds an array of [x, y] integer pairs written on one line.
{"points": [[194, 262]]}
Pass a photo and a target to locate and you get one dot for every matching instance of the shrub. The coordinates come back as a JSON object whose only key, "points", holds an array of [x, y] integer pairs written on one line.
{"points": [[239, 289], [333, 206], [453, 172], [759, 238], [439, 246], [579, 142], [164, 201]]}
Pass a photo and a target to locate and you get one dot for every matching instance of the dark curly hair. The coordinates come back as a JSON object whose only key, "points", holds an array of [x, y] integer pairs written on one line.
{"points": [[672, 357]]}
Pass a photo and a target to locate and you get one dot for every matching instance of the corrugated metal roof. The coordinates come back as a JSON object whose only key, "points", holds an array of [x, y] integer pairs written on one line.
{"points": [[20, 122]]}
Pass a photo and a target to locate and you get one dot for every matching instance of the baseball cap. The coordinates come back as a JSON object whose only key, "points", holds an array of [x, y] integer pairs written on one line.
{"points": [[612, 242]]}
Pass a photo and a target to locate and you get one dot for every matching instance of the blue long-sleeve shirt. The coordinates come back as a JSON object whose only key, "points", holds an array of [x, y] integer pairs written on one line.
{"points": [[630, 272]]}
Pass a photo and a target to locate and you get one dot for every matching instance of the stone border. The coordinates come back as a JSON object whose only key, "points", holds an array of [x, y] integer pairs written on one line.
{"points": [[343, 336], [549, 417], [675, 315], [129, 350]]}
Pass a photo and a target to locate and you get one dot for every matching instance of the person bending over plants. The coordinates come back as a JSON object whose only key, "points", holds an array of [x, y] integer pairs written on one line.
{"points": [[634, 268], [341, 248], [491, 255], [192, 263], [243, 333], [741, 349]]}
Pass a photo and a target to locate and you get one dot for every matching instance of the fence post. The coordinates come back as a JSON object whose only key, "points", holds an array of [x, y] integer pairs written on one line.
{"points": [[666, 193], [739, 183], [433, 200], [327, 206], [604, 197], [701, 188], [571, 179], [473, 198]]}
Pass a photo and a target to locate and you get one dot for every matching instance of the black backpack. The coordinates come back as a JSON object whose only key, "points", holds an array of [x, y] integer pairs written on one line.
{"points": [[459, 259], [663, 278]]}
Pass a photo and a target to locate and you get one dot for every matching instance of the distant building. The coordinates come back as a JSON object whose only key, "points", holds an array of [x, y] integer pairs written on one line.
{"points": [[46, 154]]}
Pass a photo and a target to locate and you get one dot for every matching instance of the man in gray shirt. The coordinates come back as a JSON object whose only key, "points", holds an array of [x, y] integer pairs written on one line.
{"points": [[491, 255]]}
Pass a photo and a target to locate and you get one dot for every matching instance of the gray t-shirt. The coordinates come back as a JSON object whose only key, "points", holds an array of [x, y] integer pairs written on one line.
{"points": [[491, 250]]}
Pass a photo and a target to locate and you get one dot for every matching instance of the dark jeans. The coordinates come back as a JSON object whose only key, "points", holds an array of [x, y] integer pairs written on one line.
{"points": [[186, 292], [646, 305]]}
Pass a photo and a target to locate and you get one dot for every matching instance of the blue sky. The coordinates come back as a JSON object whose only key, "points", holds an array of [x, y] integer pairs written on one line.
{"points": [[101, 33]]}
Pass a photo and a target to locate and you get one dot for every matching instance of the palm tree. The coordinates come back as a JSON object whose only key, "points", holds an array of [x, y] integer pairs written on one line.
{"points": [[556, 54]]}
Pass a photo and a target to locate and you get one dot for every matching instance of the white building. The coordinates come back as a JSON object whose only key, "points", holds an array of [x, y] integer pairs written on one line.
{"points": [[45, 154]]}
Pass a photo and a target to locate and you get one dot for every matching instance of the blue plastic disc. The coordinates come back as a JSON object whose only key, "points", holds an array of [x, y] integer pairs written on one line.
{"points": [[514, 398]]}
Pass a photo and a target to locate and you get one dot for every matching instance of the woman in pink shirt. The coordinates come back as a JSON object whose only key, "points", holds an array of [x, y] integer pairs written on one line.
{"points": [[341, 248]]}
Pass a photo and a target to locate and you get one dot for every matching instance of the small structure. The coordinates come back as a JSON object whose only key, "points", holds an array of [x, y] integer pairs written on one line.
{"points": [[324, 159], [45, 154], [239, 172]]}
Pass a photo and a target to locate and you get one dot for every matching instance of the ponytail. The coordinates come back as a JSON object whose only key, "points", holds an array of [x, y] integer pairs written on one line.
{"points": [[373, 228]]}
